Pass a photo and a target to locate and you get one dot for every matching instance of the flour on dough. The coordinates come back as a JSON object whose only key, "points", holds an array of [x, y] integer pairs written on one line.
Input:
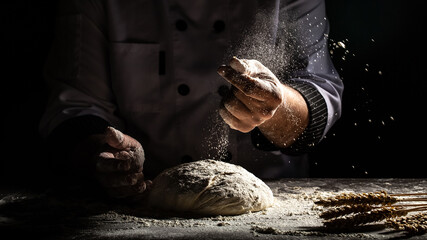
{"points": [[209, 187]]}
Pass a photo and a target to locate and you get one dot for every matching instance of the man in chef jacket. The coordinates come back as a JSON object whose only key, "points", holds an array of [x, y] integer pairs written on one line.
{"points": [[139, 86]]}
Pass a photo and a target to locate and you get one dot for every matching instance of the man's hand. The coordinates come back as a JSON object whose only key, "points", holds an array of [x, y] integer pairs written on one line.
{"points": [[115, 160], [256, 94], [119, 165], [259, 99]]}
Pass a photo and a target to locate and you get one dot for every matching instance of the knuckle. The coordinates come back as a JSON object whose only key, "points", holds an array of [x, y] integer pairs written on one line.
{"points": [[229, 106], [256, 119], [247, 129], [139, 188], [131, 179], [277, 97], [248, 89], [267, 113], [225, 115], [123, 155], [221, 111]]}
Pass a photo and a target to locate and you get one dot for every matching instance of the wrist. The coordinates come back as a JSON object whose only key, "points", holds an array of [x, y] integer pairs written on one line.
{"points": [[289, 120]]}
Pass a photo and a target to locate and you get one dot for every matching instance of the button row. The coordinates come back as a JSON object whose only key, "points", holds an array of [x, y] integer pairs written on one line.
{"points": [[218, 26]]}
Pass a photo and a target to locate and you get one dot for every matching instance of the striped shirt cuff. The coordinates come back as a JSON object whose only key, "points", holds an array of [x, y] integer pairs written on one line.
{"points": [[314, 131]]}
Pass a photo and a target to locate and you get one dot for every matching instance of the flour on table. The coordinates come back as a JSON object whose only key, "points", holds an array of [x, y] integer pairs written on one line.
{"points": [[209, 187]]}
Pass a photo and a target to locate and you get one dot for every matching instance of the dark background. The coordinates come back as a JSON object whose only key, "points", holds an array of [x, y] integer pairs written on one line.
{"points": [[380, 134], [367, 142]]}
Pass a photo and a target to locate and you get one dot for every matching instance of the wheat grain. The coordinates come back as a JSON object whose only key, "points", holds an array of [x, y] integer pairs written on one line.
{"points": [[376, 198], [413, 225], [344, 210], [364, 217]]}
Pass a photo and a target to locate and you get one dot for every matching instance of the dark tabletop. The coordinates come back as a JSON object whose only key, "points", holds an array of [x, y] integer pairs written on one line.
{"points": [[77, 215]]}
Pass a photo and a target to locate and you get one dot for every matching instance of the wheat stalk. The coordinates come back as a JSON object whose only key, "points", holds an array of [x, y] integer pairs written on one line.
{"points": [[373, 198], [407, 194]]}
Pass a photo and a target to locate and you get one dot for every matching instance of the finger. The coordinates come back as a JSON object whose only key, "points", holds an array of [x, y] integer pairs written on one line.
{"points": [[248, 85], [119, 180], [260, 110], [240, 66], [125, 154], [247, 66], [250, 103], [250, 116], [108, 163], [149, 184], [250, 67], [118, 140], [113, 160], [234, 122], [237, 108], [129, 191]]}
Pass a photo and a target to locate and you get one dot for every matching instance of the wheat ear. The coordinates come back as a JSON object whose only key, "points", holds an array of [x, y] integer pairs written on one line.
{"points": [[344, 210], [376, 198], [365, 217], [413, 225]]}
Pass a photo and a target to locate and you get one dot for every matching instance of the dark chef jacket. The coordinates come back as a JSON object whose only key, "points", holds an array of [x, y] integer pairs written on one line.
{"points": [[148, 67]]}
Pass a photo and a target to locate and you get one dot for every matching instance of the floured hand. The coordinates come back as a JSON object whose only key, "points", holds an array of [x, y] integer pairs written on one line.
{"points": [[119, 166], [256, 94]]}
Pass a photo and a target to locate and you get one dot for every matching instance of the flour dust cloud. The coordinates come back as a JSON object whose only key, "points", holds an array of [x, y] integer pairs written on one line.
{"points": [[275, 42], [216, 141]]}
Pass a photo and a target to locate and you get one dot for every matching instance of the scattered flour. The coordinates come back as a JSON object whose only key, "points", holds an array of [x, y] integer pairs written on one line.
{"points": [[293, 215]]}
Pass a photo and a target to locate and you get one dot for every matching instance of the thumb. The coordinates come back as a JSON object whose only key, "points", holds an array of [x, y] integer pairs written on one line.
{"points": [[241, 65], [118, 140]]}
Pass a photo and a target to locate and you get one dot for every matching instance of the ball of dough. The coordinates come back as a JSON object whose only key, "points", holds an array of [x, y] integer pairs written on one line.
{"points": [[209, 187]]}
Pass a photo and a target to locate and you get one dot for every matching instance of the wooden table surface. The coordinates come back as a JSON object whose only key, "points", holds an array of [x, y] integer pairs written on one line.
{"points": [[46, 214]]}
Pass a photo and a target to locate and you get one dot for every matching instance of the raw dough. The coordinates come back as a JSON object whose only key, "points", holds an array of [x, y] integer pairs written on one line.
{"points": [[210, 187]]}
